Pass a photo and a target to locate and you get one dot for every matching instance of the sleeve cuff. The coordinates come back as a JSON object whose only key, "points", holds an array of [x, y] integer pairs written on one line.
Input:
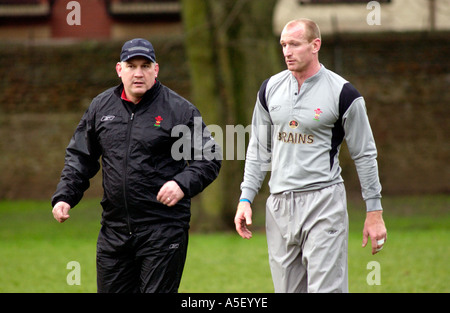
{"points": [[248, 193], [373, 205]]}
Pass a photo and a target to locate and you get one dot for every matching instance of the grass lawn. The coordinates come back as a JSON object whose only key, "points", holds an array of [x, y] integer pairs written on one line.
{"points": [[35, 251]]}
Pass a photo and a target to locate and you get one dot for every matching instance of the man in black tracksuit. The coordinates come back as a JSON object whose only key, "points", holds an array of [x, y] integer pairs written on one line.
{"points": [[147, 186]]}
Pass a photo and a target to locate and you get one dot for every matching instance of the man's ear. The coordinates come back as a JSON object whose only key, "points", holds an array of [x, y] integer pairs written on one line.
{"points": [[156, 69], [119, 68], [317, 43]]}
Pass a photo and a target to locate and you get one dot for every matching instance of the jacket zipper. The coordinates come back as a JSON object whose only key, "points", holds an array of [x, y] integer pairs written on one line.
{"points": [[125, 176]]}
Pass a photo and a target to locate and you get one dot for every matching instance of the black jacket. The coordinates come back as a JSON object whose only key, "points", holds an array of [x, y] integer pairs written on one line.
{"points": [[135, 143]]}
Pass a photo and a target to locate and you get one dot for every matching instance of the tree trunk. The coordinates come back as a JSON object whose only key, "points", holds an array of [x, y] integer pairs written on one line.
{"points": [[231, 50]]}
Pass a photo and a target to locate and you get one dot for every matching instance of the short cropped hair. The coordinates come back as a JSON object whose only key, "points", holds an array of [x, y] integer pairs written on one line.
{"points": [[312, 29]]}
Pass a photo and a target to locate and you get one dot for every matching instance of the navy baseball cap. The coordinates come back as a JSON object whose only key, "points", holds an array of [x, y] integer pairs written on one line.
{"points": [[137, 47]]}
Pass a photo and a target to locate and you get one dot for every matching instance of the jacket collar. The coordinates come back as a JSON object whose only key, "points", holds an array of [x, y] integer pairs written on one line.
{"points": [[146, 99]]}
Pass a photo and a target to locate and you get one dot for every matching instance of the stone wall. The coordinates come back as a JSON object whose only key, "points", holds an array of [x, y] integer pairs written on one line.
{"points": [[405, 79]]}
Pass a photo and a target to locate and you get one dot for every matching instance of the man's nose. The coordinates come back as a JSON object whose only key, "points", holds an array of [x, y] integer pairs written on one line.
{"points": [[139, 72], [287, 51]]}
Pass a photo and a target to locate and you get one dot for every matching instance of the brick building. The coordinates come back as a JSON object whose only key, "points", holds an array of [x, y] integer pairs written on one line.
{"points": [[120, 19], [87, 19]]}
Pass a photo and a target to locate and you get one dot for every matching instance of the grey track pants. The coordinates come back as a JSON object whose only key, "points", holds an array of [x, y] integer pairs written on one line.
{"points": [[307, 237]]}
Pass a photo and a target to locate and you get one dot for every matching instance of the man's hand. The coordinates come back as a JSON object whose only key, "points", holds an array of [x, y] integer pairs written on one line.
{"points": [[170, 193], [375, 229], [61, 211], [243, 219]]}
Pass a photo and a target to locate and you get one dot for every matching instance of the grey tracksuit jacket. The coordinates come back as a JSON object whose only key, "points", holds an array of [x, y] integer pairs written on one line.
{"points": [[297, 136]]}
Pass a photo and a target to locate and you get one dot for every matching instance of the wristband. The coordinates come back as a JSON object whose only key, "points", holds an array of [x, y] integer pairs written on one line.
{"points": [[245, 200]]}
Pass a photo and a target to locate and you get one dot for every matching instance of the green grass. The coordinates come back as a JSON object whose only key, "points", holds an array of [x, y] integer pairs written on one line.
{"points": [[35, 250]]}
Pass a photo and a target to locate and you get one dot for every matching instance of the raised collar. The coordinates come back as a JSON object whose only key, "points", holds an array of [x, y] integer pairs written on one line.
{"points": [[148, 96]]}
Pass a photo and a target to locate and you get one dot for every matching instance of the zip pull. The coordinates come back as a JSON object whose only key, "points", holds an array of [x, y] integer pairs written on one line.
{"points": [[132, 116]]}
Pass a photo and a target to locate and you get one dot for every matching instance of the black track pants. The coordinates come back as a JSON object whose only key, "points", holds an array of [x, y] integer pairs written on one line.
{"points": [[150, 260]]}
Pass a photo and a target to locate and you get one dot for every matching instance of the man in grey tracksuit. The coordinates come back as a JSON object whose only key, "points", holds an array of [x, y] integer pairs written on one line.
{"points": [[301, 117]]}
